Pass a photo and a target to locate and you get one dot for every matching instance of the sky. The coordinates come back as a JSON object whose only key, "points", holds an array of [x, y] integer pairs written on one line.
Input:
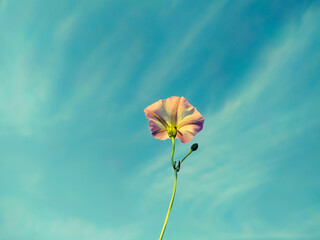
{"points": [[78, 160]]}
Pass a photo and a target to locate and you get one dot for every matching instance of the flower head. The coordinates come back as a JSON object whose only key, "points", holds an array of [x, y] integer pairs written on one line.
{"points": [[174, 117]]}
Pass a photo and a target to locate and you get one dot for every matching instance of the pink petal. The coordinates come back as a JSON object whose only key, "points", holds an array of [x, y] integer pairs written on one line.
{"points": [[189, 121], [167, 109], [161, 114], [158, 130], [187, 132], [174, 111], [171, 106], [157, 124]]}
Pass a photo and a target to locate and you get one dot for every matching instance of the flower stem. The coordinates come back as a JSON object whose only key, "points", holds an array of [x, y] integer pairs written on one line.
{"points": [[186, 156], [173, 193], [172, 153]]}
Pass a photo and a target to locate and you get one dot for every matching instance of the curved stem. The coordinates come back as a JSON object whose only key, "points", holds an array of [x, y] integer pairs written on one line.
{"points": [[173, 193]]}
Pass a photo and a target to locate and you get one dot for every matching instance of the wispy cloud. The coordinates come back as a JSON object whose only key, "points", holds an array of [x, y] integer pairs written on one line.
{"points": [[173, 53], [235, 158], [18, 215], [253, 176]]}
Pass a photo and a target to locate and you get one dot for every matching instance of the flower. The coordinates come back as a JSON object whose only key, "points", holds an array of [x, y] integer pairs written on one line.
{"points": [[174, 117]]}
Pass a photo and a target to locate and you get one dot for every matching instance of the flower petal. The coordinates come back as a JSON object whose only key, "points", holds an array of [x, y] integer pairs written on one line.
{"points": [[171, 106], [174, 112], [158, 130], [157, 123], [187, 132], [161, 114], [189, 121]]}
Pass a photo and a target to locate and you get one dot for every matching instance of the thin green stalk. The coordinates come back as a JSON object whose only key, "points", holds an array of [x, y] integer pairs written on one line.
{"points": [[186, 156], [172, 153], [173, 193]]}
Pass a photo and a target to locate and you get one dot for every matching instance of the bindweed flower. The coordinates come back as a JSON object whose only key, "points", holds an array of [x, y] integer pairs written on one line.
{"points": [[174, 117]]}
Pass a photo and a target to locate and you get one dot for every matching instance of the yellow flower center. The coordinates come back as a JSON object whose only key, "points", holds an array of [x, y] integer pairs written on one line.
{"points": [[172, 131]]}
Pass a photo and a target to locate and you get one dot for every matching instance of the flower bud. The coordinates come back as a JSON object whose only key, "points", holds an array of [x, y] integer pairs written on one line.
{"points": [[194, 146]]}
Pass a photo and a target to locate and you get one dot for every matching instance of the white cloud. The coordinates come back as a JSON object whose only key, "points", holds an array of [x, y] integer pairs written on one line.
{"points": [[157, 73], [19, 221], [235, 154]]}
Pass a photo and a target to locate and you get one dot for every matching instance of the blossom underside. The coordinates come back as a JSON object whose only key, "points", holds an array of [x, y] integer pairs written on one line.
{"points": [[174, 117]]}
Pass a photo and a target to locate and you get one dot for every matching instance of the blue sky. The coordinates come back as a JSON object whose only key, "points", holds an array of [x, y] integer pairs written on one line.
{"points": [[77, 158]]}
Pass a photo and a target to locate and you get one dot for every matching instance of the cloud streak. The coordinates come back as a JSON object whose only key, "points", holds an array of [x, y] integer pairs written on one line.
{"points": [[236, 156]]}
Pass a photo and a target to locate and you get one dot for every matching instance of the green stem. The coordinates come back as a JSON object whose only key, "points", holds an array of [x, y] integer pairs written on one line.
{"points": [[172, 153], [186, 156], [173, 193]]}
